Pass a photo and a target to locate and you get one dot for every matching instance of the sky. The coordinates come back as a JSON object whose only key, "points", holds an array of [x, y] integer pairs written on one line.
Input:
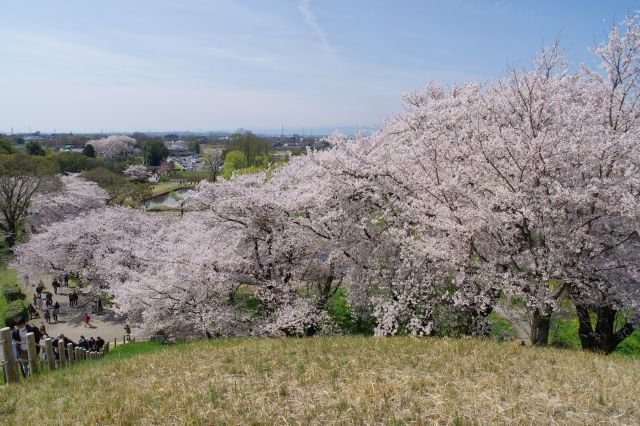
{"points": [[308, 65]]}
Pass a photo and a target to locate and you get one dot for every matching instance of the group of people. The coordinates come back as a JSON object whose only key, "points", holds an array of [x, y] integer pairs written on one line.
{"points": [[61, 281], [20, 343]]}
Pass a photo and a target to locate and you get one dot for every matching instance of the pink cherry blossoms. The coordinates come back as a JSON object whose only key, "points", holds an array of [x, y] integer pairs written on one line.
{"points": [[114, 146], [526, 189]]}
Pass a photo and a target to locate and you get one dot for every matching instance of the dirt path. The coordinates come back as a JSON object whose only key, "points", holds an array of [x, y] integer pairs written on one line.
{"points": [[517, 321], [106, 324]]}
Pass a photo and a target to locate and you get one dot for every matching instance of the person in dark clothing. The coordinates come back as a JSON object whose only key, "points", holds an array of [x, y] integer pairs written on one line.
{"points": [[40, 289], [91, 343], [55, 311], [66, 280], [56, 343], [55, 284], [33, 312], [99, 344], [82, 343], [19, 335], [49, 298], [47, 316]]}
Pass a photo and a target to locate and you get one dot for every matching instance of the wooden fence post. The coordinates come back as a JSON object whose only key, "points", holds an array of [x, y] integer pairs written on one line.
{"points": [[11, 367], [70, 353], [62, 353], [78, 353], [115, 342], [48, 350], [32, 354]]}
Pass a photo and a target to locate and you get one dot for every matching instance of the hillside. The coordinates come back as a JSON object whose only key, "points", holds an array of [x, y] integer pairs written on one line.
{"points": [[329, 380]]}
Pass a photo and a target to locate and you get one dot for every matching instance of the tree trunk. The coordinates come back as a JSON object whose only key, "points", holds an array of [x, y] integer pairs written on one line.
{"points": [[604, 338], [540, 325], [12, 234]]}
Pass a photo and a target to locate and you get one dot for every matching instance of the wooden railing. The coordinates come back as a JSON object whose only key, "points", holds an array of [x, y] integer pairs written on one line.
{"points": [[46, 360]]}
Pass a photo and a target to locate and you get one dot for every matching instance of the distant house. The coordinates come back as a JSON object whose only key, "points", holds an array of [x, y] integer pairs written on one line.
{"points": [[158, 171]]}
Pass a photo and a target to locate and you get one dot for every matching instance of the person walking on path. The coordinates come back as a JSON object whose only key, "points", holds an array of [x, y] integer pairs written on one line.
{"points": [[43, 330], [127, 332], [39, 303], [33, 313], [47, 316], [40, 289], [49, 299], [54, 312], [55, 284], [87, 320]]}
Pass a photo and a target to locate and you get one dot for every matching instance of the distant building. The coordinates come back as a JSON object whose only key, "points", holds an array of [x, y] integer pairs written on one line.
{"points": [[178, 145]]}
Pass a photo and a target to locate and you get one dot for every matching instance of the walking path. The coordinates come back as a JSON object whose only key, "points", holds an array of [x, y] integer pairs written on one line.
{"points": [[515, 317], [106, 324]]}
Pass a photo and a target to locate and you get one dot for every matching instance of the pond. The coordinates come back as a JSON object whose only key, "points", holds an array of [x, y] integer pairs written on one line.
{"points": [[169, 200]]}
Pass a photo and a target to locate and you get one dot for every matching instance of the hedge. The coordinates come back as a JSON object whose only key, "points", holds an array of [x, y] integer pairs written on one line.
{"points": [[16, 309], [13, 293]]}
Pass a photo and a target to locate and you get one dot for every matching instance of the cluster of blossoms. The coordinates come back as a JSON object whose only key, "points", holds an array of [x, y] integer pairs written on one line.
{"points": [[525, 189], [114, 146], [136, 172]]}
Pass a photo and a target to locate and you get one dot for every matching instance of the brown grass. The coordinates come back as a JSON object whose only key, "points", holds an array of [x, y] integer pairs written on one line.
{"points": [[335, 381]]}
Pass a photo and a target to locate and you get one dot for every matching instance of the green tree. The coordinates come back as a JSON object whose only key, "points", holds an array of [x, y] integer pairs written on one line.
{"points": [[7, 146], [21, 177], [117, 186], [194, 147], [154, 152], [142, 193], [74, 162], [254, 148], [234, 160], [89, 151], [34, 148]]}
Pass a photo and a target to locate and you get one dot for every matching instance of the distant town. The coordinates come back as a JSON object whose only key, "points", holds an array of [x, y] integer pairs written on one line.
{"points": [[180, 144]]}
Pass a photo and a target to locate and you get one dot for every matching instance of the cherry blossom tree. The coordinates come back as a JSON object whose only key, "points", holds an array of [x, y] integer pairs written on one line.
{"points": [[76, 196], [525, 189], [114, 146], [136, 172]]}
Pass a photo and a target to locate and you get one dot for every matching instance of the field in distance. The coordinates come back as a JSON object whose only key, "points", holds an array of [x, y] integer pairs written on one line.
{"points": [[333, 380]]}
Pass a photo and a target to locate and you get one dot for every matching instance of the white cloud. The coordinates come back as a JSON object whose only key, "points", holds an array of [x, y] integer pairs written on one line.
{"points": [[304, 6]]}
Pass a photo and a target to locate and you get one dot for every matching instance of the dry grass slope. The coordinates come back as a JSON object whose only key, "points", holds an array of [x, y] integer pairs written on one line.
{"points": [[335, 380]]}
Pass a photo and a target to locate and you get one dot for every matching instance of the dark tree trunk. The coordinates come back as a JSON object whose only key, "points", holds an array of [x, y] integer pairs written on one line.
{"points": [[604, 338], [540, 325]]}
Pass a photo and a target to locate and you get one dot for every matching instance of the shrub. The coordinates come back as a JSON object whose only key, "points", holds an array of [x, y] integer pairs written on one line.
{"points": [[16, 309], [13, 293]]}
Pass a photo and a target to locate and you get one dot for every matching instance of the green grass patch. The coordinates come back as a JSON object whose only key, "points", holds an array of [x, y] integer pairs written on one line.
{"points": [[8, 279], [167, 187], [500, 328]]}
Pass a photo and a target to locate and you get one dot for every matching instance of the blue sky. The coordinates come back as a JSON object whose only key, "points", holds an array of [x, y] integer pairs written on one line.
{"points": [[160, 65]]}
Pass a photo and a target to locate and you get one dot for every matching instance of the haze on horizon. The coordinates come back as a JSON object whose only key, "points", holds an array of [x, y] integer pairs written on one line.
{"points": [[164, 65]]}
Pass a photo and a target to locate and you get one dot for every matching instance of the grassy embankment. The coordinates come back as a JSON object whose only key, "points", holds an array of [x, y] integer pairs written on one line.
{"points": [[333, 380], [167, 187]]}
